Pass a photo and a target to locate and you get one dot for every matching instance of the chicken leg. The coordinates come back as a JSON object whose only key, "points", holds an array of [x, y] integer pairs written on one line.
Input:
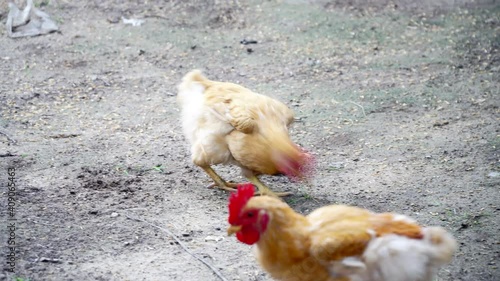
{"points": [[264, 190], [218, 181], [230, 186]]}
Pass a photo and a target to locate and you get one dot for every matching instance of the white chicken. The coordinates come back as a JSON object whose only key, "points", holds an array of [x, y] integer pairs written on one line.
{"points": [[226, 123]]}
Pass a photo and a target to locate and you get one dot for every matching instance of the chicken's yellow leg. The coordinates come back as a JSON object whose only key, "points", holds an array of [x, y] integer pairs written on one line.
{"points": [[264, 190], [219, 182]]}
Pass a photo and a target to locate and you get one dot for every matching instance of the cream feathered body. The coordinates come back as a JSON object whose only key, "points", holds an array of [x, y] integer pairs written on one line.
{"points": [[226, 123]]}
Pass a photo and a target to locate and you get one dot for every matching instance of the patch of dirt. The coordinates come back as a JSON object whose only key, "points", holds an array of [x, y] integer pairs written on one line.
{"points": [[425, 7], [400, 110]]}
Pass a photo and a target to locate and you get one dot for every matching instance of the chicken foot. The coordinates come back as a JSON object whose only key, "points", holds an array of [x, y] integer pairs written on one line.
{"points": [[264, 190], [230, 186], [218, 181]]}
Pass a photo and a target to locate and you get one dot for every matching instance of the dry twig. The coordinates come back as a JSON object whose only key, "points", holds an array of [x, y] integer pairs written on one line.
{"points": [[180, 244], [360, 106], [8, 137]]}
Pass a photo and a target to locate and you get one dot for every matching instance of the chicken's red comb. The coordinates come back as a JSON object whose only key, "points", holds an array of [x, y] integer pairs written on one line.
{"points": [[238, 200]]}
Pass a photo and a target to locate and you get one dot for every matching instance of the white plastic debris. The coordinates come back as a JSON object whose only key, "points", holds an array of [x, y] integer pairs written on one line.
{"points": [[214, 238], [133, 22], [29, 22]]}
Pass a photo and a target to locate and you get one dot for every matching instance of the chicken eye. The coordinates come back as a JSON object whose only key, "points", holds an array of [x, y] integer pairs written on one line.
{"points": [[249, 215]]}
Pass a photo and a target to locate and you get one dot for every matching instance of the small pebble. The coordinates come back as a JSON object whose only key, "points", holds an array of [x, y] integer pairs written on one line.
{"points": [[337, 165], [494, 174]]}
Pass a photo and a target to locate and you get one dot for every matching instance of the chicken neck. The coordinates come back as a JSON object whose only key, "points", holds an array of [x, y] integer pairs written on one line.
{"points": [[283, 249]]}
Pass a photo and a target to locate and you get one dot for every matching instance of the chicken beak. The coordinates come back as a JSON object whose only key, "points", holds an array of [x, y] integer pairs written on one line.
{"points": [[233, 229]]}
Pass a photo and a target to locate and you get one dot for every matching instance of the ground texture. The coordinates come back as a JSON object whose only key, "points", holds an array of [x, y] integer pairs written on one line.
{"points": [[399, 103]]}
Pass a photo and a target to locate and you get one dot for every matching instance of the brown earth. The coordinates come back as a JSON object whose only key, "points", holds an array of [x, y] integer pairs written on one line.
{"points": [[398, 102]]}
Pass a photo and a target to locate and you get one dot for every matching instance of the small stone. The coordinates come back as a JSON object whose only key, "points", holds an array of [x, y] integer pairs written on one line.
{"points": [[44, 259], [113, 18], [494, 174], [114, 215], [336, 165]]}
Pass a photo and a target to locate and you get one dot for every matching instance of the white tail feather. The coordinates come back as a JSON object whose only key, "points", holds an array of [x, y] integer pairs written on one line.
{"points": [[397, 258]]}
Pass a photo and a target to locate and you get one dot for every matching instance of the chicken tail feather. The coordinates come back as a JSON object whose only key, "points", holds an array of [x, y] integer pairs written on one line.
{"points": [[395, 257], [443, 242], [194, 76], [191, 88]]}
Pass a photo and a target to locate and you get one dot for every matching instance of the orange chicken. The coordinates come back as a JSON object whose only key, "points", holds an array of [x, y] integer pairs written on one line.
{"points": [[337, 242], [228, 124]]}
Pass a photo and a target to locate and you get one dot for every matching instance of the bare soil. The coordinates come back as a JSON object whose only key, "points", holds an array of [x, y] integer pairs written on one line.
{"points": [[398, 102]]}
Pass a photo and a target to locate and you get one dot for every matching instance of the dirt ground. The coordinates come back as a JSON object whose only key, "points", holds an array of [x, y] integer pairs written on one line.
{"points": [[398, 102]]}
